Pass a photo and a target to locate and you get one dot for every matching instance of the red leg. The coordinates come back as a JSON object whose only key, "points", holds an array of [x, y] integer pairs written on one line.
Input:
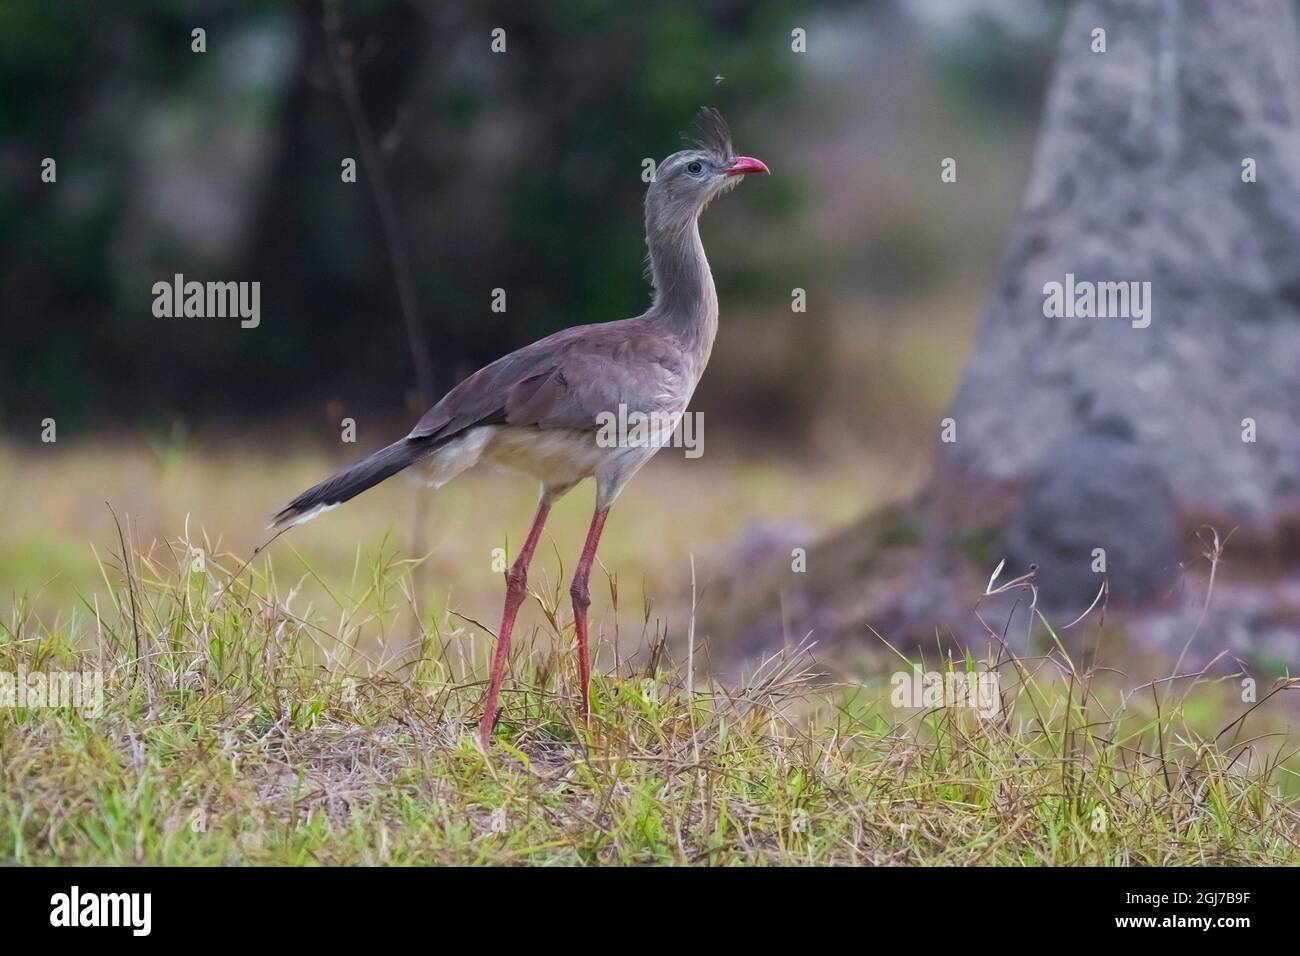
{"points": [[516, 590], [581, 595]]}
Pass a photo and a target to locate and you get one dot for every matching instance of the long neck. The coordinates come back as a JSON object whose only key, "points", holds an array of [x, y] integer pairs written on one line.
{"points": [[685, 300]]}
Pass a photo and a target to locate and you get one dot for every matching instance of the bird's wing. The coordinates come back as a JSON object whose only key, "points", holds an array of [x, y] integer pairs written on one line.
{"points": [[564, 381]]}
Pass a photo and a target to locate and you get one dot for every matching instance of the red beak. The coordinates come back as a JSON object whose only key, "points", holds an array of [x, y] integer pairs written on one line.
{"points": [[747, 164]]}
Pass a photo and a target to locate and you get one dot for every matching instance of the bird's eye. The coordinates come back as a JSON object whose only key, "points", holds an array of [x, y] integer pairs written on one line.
{"points": [[695, 168]]}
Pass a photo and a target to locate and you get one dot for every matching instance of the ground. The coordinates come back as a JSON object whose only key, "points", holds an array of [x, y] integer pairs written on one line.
{"points": [[291, 711]]}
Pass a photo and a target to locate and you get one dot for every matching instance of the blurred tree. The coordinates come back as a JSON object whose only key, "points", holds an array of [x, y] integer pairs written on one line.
{"points": [[517, 170], [1124, 432], [1094, 447]]}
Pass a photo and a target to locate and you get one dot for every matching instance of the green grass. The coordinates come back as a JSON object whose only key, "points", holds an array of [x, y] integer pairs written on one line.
{"points": [[240, 727]]}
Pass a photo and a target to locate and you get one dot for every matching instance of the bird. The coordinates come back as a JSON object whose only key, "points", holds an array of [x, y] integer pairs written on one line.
{"points": [[539, 410]]}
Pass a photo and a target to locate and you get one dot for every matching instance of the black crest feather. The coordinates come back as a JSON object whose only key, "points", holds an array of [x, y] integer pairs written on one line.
{"points": [[711, 132]]}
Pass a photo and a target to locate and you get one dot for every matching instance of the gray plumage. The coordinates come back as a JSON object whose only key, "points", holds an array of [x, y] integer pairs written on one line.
{"points": [[538, 409]]}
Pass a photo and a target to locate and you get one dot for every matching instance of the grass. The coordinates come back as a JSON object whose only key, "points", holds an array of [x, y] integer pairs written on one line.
{"points": [[56, 514], [243, 726]]}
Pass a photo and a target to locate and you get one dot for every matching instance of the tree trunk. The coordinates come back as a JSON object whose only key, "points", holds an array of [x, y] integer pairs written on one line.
{"points": [[1095, 446]]}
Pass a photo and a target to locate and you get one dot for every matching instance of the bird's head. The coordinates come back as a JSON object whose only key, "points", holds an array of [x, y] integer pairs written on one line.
{"points": [[688, 180]]}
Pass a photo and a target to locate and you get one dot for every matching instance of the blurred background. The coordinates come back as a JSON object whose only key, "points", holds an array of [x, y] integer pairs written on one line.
{"points": [[478, 169], [517, 170]]}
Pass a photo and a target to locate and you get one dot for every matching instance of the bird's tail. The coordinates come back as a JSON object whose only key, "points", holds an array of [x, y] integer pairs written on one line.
{"points": [[351, 481]]}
